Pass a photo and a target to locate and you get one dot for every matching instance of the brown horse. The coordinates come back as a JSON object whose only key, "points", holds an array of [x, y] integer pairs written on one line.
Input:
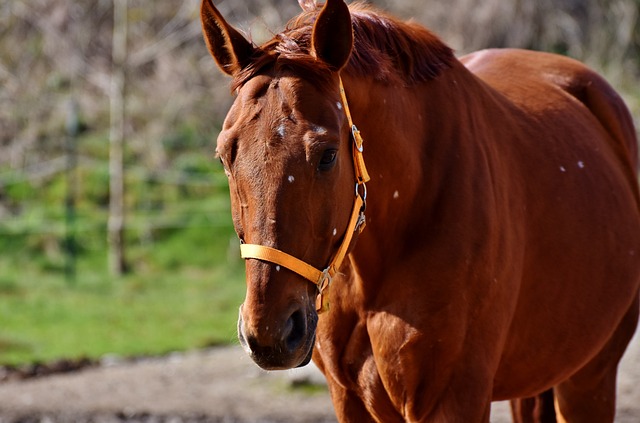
{"points": [[501, 254]]}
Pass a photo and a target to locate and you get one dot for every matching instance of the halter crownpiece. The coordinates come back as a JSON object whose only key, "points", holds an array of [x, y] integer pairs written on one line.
{"points": [[322, 278]]}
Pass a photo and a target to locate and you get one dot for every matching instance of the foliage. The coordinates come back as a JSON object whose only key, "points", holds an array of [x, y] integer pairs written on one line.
{"points": [[56, 299], [183, 291], [53, 50]]}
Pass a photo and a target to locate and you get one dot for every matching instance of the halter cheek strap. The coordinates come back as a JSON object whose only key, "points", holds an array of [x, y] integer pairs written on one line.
{"points": [[322, 278]]}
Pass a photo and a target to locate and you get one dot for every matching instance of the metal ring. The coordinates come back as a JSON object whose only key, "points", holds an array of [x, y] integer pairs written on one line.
{"points": [[364, 190]]}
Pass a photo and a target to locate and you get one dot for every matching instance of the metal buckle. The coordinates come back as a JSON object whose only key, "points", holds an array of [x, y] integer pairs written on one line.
{"points": [[323, 283], [362, 220], [357, 138], [325, 280]]}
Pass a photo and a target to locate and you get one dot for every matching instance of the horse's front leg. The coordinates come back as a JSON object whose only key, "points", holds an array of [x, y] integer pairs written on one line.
{"points": [[356, 389], [431, 378], [348, 405]]}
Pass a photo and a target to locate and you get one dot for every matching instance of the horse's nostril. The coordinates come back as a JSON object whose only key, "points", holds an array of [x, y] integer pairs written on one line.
{"points": [[297, 327]]}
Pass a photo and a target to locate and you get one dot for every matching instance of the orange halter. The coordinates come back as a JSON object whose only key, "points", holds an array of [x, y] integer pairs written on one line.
{"points": [[322, 279]]}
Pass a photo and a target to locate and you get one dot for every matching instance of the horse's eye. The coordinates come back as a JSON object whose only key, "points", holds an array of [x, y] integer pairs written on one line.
{"points": [[328, 159]]}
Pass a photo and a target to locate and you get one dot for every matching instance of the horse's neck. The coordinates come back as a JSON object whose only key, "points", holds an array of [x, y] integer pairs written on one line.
{"points": [[419, 148]]}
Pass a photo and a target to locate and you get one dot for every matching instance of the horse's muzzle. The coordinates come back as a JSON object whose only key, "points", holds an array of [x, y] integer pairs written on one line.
{"points": [[281, 347]]}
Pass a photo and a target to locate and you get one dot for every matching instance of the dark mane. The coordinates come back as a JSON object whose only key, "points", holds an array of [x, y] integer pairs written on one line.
{"points": [[386, 49]]}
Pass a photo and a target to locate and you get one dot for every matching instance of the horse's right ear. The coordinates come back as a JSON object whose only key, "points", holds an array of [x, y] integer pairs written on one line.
{"points": [[229, 48]]}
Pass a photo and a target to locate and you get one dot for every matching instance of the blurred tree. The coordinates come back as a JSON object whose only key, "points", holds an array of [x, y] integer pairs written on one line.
{"points": [[49, 48], [116, 223], [176, 99]]}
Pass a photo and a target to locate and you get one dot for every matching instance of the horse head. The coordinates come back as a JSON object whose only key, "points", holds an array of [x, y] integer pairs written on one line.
{"points": [[287, 152]]}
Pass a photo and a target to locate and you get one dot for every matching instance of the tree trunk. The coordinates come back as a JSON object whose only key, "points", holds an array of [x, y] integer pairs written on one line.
{"points": [[116, 224]]}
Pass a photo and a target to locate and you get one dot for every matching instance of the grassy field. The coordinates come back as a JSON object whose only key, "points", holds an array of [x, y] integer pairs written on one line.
{"points": [[44, 319], [46, 316], [186, 280]]}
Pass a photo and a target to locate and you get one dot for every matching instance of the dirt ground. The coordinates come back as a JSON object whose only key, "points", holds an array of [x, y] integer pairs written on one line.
{"points": [[217, 385]]}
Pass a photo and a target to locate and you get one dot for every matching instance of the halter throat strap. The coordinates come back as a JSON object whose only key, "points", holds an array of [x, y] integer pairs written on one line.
{"points": [[322, 278]]}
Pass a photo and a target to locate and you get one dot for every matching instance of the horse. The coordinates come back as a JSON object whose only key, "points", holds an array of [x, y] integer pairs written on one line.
{"points": [[435, 232]]}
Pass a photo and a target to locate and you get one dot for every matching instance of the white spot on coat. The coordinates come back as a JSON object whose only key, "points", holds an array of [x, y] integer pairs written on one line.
{"points": [[319, 130], [281, 131], [339, 105], [581, 164], [562, 169], [396, 195], [291, 179], [335, 231], [277, 268]]}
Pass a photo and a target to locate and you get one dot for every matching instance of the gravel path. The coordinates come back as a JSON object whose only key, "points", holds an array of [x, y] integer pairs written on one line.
{"points": [[217, 385]]}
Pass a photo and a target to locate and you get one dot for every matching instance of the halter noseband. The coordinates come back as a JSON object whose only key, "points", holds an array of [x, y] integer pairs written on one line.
{"points": [[322, 279]]}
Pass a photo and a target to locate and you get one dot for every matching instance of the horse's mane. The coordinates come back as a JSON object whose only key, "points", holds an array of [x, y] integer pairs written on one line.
{"points": [[386, 49]]}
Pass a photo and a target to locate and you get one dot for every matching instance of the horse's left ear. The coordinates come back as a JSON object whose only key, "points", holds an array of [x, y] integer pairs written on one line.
{"points": [[228, 47], [332, 38]]}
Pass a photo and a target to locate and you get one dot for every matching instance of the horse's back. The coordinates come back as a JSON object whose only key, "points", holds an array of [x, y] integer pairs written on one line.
{"points": [[514, 71]]}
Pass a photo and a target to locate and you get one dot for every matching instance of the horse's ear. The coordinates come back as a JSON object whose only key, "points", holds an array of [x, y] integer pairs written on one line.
{"points": [[332, 38], [228, 47]]}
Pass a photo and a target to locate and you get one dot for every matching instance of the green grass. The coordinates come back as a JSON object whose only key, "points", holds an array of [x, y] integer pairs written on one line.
{"points": [[186, 280], [44, 318]]}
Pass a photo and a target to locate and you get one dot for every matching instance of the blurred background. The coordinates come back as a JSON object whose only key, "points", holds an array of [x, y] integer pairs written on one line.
{"points": [[115, 233]]}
